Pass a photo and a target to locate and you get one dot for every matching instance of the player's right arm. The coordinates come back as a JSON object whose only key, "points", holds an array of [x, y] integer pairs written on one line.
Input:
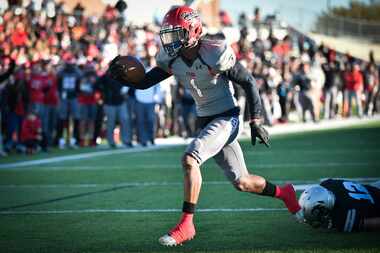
{"points": [[151, 78], [353, 222]]}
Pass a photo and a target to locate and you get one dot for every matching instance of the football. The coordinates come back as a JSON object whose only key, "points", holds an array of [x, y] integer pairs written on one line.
{"points": [[133, 70]]}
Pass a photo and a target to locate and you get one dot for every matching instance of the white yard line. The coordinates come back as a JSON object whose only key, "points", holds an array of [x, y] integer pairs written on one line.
{"points": [[298, 184], [314, 165], [325, 164], [83, 156], [322, 125], [175, 141], [201, 210]]}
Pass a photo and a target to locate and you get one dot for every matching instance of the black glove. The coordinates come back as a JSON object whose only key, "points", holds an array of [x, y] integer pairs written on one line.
{"points": [[258, 131], [116, 70]]}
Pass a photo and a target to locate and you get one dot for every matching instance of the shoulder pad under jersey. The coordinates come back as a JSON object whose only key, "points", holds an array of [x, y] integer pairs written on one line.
{"points": [[217, 55]]}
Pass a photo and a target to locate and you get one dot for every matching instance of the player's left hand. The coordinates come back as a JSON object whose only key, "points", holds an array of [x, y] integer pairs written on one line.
{"points": [[258, 131]]}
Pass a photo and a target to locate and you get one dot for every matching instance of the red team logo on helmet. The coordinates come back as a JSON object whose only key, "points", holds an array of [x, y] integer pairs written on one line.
{"points": [[181, 28]]}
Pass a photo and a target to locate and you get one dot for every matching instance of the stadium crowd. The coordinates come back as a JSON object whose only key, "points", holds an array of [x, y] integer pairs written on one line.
{"points": [[56, 91]]}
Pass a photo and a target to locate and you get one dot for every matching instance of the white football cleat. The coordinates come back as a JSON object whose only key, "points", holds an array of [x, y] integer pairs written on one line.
{"points": [[167, 240]]}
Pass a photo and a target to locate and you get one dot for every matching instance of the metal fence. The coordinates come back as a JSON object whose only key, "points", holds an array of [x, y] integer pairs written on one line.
{"points": [[340, 26]]}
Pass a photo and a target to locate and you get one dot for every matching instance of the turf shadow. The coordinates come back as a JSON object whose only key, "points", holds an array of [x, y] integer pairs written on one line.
{"points": [[73, 196]]}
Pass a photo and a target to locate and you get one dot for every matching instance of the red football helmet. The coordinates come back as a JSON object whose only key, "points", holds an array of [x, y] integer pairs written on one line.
{"points": [[181, 28]]}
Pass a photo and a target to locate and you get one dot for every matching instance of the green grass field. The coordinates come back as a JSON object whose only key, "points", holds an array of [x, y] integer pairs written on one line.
{"points": [[123, 203]]}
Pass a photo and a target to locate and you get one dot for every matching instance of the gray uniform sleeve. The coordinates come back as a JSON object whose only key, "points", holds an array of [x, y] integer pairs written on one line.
{"points": [[242, 77]]}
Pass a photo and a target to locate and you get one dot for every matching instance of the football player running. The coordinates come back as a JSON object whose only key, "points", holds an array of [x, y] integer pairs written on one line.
{"points": [[342, 205], [206, 67]]}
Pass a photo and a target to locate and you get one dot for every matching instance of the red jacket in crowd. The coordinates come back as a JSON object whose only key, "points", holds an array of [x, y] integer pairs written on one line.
{"points": [[37, 85], [19, 38], [353, 80], [31, 128], [51, 96]]}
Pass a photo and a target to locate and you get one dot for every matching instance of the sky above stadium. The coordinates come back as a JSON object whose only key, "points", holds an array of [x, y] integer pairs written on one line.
{"points": [[299, 13]]}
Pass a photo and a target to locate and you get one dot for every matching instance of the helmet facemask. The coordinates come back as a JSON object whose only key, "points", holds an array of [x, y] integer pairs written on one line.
{"points": [[173, 40], [320, 217]]}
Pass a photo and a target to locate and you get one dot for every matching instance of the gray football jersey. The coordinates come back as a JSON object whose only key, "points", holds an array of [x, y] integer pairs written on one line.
{"points": [[213, 93]]}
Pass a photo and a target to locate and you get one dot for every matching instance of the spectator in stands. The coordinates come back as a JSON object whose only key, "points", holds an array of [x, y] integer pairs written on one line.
{"points": [[37, 85], [302, 83], [87, 106], [19, 37], [371, 78], [317, 80], [31, 133], [283, 92], [146, 119], [68, 86], [115, 108], [353, 88], [333, 82], [49, 125], [17, 98], [260, 72], [3, 77]]}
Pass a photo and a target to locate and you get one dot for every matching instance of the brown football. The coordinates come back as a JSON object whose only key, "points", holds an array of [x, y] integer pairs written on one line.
{"points": [[134, 69]]}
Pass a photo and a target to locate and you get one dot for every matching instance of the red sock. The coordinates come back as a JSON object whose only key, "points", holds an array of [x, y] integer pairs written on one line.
{"points": [[187, 217], [184, 230], [287, 194], [278, 192]]}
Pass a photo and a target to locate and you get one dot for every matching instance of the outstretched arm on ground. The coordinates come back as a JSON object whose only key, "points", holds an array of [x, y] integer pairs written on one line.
{"points": [[371, 224]]}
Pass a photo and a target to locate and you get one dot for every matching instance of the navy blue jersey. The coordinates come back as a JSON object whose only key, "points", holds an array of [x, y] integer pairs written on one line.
{"points": [[353, 203]]}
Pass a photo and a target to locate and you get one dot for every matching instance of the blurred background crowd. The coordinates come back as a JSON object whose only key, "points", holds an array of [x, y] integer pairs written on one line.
{"points": [[54, 90]]}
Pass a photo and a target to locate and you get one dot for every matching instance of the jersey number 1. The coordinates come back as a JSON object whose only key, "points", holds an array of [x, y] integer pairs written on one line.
{"points": [[192, 83], [358, 191]]}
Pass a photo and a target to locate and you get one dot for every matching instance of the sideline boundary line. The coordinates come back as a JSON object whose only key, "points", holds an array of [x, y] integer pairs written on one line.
{"points": [[201, 210], [152, 166], [84, 156], [172, 142], [298, 184]]}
